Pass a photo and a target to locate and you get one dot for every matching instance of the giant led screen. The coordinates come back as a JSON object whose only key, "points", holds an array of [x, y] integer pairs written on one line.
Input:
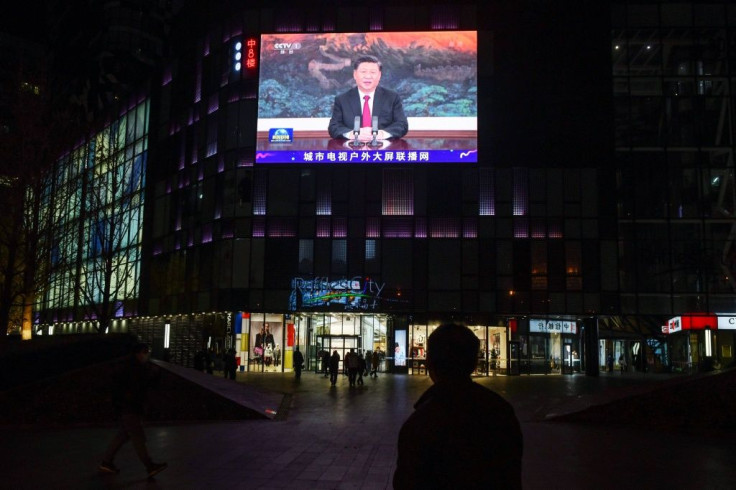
{"points": [[368, 98]]}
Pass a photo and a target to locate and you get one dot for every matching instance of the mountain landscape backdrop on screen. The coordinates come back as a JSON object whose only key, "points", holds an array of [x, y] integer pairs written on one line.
{"points": [[433, 72]]}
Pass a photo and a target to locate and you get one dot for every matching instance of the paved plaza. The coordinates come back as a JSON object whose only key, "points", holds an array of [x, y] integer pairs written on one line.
{"points": [[345, 438]]}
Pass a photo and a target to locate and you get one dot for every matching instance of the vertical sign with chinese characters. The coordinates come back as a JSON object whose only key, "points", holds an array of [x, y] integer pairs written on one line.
{"points": [[250, 57]]}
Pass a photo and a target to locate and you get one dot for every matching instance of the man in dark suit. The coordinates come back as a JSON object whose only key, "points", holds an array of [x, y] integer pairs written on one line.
{"points": [[367, 100]]}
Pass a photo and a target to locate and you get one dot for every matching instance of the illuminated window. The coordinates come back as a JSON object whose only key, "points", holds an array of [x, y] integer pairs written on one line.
{"points": [[324, 200], [521, 227], [306, 257], [323, 227], [339, 255], [281, 228], [444, 228], [373, 227], [398, 192], [370, 250], [398, 227], [486, 199], [470, 228], [259, 193], [339, 227], [521, 191]]}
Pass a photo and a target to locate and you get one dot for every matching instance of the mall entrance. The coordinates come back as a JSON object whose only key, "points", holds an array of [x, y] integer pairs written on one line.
{"points": [[341, 332]]}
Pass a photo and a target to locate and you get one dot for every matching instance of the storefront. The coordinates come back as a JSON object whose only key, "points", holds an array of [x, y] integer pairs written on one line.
{"points": [[266, 341], [492, 354], [552, 347], [701, 342]]}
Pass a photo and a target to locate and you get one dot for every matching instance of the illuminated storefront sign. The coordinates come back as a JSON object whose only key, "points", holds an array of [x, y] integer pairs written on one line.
{"points": [[356, 293], [694, 322], [726, 322], [552, 326]]}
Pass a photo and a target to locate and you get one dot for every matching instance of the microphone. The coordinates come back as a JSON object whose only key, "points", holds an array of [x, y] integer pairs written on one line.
{"points": [[356, 130], [374, 129]]}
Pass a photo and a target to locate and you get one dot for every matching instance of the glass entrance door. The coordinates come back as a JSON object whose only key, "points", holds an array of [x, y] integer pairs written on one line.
{"points": [[340, 343]]}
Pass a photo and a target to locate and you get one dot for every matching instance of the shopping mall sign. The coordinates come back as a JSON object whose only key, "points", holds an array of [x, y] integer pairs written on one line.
{"points": [[356, 293]]}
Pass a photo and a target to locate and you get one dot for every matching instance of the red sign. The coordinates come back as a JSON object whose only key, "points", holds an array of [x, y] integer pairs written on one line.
{"points": [[250, 56]]}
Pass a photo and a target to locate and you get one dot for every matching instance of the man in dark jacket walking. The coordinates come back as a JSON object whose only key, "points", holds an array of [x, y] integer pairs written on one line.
{"points": [[298, 363], [461, 435], [334, 367], [130, 386]]}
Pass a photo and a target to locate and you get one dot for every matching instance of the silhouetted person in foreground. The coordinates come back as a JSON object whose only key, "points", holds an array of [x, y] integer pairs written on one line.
{"points": [[298, 363], [130, 386], [461, 435]]}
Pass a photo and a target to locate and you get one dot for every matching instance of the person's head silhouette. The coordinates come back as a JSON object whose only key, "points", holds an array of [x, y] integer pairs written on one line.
{"points": [[452, 352]]}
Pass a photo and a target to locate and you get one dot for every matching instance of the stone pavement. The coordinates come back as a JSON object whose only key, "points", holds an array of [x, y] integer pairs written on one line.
{"points": [[345, 438]]}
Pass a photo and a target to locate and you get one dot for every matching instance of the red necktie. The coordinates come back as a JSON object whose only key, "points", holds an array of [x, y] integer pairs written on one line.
{"points": [[366, 120]]}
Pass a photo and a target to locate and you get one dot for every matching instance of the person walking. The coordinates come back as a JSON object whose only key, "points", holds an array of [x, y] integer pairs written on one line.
{"points": [[375, 360], [361, 368], [298, 363], [130, 387], [229, 363], [461, 434], [351, 359], [334, 367]]}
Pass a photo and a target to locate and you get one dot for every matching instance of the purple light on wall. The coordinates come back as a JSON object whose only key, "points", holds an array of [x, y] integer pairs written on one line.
{"points": [[178, 219], [398, 192], [245, 161], [158, 248], [289, 21], [206, 46], [444, 228], [195, 150], [398, 227], [376, 20], [538, 229], [373, 227], [259, 227], [259, 193], [207, 233], [420, 227], [445, 17], [214, 103], [486, 197], [555, 230], [198, 82], [281, 228], [324, 202], [521, 228], [322, 227], [470, 228], [521, 191], [221, 164], [339, 227], [182, 154]]}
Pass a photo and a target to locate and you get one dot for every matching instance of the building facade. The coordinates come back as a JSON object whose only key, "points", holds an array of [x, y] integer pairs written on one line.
{"points": [[597, 209]]}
